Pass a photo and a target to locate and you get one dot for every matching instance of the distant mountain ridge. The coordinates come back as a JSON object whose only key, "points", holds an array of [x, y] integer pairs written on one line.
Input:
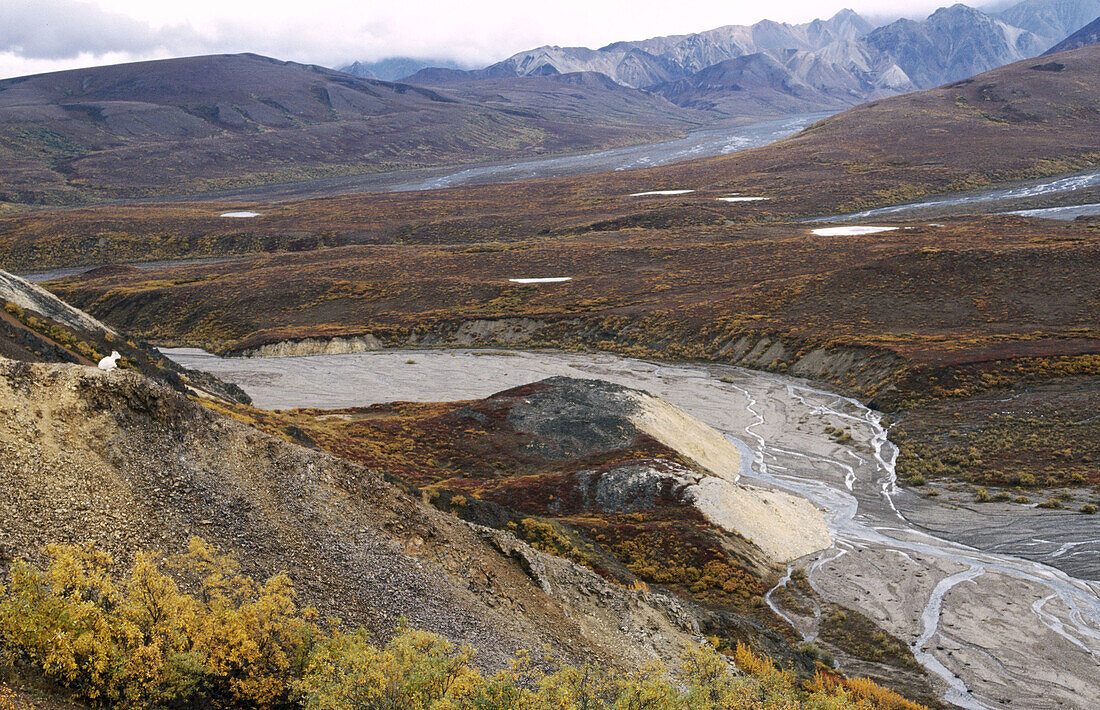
{"points": [[395, 68], [1052, 20], [773, 67], [1089, 34]]}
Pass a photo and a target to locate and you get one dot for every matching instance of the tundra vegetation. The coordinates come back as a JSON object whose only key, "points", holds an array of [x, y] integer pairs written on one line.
{"points": [[933, 324], [209, 636], [933, 321]]}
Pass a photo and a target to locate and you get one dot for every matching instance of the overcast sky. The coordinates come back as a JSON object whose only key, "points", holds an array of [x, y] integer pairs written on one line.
{"points": [[47, 35]]}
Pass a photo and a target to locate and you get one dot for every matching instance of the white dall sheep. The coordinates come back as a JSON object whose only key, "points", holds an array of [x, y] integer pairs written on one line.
{"points": [[110, 362]]}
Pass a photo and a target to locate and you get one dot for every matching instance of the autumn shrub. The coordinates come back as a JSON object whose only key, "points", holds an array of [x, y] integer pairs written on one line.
{"points": [[414, 670], [858, 693], [815, 653], [676, 554], [141, 642], [235, 643], [546, 538], [7, 699]]}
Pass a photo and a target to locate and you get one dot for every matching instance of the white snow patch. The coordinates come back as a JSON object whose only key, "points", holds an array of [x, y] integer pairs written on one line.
{"points": [[241, 214], [661, 192], [551, 280], [742, 199], [851, 231]]}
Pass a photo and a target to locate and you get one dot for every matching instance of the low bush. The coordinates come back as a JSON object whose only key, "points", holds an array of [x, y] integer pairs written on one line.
{"points": [[141, 642], [814, 652]]}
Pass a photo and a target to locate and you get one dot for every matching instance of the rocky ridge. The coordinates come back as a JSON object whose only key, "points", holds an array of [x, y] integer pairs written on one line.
{"points": [[36, 326], [772, 67]]}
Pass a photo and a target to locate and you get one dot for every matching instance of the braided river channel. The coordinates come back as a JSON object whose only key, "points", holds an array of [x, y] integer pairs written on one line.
{"points": [[1004, 611]]}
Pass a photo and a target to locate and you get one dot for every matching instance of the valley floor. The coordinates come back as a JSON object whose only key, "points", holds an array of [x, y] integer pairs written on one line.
{"points": [[996, 630]]}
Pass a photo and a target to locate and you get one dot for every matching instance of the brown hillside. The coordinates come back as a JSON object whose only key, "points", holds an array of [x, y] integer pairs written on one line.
{"points": [[201, 123], [114, 460], [1014, 122]]}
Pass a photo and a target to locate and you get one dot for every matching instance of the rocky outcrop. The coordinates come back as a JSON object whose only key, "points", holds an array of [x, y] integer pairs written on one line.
{"points": [[569, 418], [36, 326], [35, 298], [471, 333], [317, 346], [784, 527]]}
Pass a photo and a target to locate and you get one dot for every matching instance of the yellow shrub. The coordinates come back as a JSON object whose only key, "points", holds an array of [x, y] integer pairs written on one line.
{"points": [[141, 642], [7, 699], [861, 691], [416, 670]]}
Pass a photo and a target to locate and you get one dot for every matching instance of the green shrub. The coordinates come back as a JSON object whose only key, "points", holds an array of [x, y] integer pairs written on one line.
{"points": [[816, 653]]}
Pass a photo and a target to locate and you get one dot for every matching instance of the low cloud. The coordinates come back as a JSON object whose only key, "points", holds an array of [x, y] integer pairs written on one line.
{"points": [[64, 29]]}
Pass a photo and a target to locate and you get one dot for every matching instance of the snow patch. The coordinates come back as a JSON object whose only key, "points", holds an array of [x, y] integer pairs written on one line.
{"points": [[241, 214], [743, 199], [851, 231], [550, 280], [661, 192]]}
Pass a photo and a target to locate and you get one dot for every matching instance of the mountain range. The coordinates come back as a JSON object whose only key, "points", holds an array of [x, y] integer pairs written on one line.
{"points": [[198, 123], [218, 122], [771, 67]]}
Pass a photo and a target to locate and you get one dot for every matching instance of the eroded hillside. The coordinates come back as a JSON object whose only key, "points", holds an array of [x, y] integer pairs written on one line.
{"points": [[115, 460]]}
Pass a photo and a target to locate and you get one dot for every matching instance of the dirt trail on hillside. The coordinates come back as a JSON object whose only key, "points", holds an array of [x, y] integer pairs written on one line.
{"points": [[998, 631]]}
